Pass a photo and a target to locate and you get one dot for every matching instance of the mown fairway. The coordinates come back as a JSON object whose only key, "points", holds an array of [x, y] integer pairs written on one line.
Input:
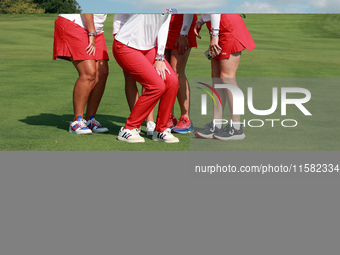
{"points": [[36, 92]]}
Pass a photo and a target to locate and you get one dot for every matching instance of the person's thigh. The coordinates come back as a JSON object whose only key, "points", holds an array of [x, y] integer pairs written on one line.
{"points": [[215, 68], [137, 64], [178, 61], [102, 68], [228, 67], [171, 78], [86, 68]]}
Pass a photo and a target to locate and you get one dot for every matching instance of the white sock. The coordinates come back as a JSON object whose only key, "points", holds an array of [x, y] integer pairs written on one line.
{"points": [[237, 125]]}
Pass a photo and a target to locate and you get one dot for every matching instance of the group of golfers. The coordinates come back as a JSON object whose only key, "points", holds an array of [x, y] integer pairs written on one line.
{"points": [[152, 50]]}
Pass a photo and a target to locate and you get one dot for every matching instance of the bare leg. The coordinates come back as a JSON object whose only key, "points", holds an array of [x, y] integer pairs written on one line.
{"points": [[178, 63], [83, 85], [215, 74], [228, 69], [167, 55], [98, 90], [131, 91]]}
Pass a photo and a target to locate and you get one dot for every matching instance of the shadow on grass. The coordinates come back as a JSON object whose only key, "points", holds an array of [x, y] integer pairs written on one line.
{"points": [[63, 121]]}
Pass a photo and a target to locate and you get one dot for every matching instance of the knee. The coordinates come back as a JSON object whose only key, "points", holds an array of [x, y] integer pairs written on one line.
{"points": [[156, 89], [227, 76], [159, 90], [89, 75], [103, 70], [228, 79], [103, 74], [172, 82]]}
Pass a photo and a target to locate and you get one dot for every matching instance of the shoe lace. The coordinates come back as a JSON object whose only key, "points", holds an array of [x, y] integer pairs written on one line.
{"points": [[96, 122], [168, 132], [209, 127], [135, 131], [183, 120], [82, 123], [227, 129]]}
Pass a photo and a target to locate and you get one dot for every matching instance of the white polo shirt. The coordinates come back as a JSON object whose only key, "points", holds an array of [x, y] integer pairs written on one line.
{"points": [[119, 20], [214, 18], [98, 19], [187, 20], [144, 31]]}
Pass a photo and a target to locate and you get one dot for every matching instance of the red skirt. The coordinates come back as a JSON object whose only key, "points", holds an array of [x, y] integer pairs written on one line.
{"points": [[234, 35], [71, 41], [175, 29]]}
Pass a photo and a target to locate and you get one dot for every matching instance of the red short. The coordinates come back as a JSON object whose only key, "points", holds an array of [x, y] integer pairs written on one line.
{"points": [[234, 35], [175, 29], [71, 40]]}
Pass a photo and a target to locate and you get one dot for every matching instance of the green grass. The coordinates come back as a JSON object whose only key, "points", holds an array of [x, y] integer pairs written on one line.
{"points": [[36, 92]]}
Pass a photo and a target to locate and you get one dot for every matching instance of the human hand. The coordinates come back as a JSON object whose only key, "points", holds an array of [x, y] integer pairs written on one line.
{"points": [[182, 44], [214, 48], [91, 48], [197, 29], [161, 68]]}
